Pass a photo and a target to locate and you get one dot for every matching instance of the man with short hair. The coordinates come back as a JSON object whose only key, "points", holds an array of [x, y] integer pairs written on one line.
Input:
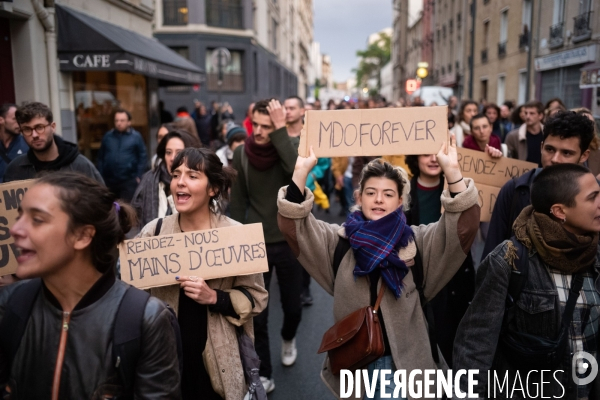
{"points": [[47, 151], [265, 163], [524, 143], [122, 159], [294, 115], [566, 140], [13, 144], [481, 138]]}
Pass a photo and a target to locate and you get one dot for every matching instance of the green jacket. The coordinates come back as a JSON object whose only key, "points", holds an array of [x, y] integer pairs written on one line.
{"points": [[254, 193]]}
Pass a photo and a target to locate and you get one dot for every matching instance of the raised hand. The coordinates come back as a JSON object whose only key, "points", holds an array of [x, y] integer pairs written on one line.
{"points": [[303, 167], [277, 113], [450, 167]]}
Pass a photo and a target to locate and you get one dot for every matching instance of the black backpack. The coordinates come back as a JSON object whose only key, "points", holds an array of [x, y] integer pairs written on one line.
{"points": [[340, 251], [127, 331]]}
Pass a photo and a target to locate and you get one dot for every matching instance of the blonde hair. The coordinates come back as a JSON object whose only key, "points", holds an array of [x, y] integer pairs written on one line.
{"points": [[380, 168]]}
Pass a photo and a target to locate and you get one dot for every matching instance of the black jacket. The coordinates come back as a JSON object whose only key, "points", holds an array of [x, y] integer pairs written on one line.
{"points": [[512, 199], [27, 166], [88, 371]]}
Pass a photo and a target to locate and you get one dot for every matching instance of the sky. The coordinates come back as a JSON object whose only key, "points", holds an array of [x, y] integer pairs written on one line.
{"points": [[343, 26]]}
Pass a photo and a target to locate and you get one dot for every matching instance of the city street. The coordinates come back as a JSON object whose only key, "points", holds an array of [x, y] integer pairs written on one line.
{"points": [[303, 380]]}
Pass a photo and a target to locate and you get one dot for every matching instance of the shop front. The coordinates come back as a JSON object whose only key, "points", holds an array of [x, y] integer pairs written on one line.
{"points": [[112, 67], [559, 76]]}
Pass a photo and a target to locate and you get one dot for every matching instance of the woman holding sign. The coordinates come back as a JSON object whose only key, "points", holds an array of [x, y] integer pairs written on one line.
{"points": [[375, 258], [60, 328], [208, 311]]}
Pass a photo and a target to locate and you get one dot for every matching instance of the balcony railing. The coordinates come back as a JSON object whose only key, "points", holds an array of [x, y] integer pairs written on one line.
{"points": [[581, 27], [556, 35], [502, 49], [523, 41], [484, 56], [225, 14]]}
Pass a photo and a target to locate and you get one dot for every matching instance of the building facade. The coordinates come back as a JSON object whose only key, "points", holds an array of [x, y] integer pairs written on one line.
{"points": [[65, 54], [502, 54], [566, 51], [269, 42]]}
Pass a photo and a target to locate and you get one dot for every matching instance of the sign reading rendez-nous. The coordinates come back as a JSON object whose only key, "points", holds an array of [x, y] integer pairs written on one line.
{"points": [[377, 132]]}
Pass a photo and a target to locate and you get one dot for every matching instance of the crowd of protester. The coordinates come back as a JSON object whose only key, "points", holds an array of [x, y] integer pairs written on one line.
{"points": [[412, 227]]}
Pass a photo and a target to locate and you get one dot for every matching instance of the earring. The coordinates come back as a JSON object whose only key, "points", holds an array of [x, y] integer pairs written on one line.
{"points": [[564, 220]]}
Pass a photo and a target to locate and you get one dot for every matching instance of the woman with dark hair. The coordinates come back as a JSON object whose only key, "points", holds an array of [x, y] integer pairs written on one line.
{"points": [[66, 237], [384, 250], [492, 112], [468, 109], [452, 301], [208, 311], [517, 117], [152, 198]]}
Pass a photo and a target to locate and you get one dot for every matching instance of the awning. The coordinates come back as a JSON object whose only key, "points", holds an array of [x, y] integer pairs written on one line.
{"points": [[89, 44]]}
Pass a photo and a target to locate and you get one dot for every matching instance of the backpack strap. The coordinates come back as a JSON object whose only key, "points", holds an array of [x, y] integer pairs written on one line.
{"points": [[14, 323], [246, 293], [158, 227], [419, 279], [341, 249], [127, 334]]}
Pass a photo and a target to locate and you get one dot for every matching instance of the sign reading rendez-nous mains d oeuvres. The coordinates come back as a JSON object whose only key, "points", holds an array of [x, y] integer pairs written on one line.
{"points": [[214, 253], [374, 132]]}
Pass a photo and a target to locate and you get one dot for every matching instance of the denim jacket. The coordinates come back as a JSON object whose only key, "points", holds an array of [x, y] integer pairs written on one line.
{"points": [[537, 312]]}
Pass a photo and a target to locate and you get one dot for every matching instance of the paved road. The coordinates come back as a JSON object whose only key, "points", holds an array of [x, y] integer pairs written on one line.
{"points": [[302, 380]]}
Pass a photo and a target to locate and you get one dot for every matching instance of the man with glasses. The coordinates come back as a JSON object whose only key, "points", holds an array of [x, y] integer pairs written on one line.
{"points": [[47, 151]]}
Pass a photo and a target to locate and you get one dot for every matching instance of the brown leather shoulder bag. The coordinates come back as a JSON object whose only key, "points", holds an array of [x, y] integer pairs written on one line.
{"points": [[356, 340]]}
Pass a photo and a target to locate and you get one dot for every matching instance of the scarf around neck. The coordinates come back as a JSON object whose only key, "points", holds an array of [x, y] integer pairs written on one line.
{"points": [[376, 245], [260, 156], [557, 247]]}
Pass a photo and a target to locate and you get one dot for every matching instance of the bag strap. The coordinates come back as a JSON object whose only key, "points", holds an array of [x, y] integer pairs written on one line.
{"points": [[246, 293], [14, 323], [341, 249], [576, 285], [245, 169], [127, 334], [158, 227], [379, 297]]}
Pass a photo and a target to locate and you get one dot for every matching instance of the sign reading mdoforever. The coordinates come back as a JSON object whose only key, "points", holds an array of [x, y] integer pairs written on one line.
{"points": [[377, 132], [214, 253]]}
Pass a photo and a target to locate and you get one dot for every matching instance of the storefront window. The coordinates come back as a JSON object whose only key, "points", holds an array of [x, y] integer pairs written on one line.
{"points": [[97, 96]]}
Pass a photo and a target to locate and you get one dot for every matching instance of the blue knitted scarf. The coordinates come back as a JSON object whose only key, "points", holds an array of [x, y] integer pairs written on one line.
{"points": [[376, 244]]}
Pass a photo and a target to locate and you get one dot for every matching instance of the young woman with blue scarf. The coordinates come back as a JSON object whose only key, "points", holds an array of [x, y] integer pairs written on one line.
{"points": [[384, 249]]}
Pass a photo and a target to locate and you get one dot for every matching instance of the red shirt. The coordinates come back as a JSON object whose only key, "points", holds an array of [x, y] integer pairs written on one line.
{"points": [[470, 143]]}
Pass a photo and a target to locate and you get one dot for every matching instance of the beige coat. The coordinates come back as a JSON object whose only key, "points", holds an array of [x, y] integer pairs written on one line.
{"points": [[516, 141], [442, 246], [221, 354]]}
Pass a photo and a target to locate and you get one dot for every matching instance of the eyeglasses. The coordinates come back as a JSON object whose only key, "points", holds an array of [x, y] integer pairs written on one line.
{"points": [[27, 130]]}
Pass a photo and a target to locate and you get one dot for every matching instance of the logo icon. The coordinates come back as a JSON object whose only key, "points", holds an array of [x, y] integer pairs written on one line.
{"points": [[583, 363]]}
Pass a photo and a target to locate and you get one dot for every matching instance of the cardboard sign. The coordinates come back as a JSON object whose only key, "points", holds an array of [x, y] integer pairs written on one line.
{"points": [[491, 171], [487, 200], [490, 174], [374, 132], [214, 253], [11, 195]]}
